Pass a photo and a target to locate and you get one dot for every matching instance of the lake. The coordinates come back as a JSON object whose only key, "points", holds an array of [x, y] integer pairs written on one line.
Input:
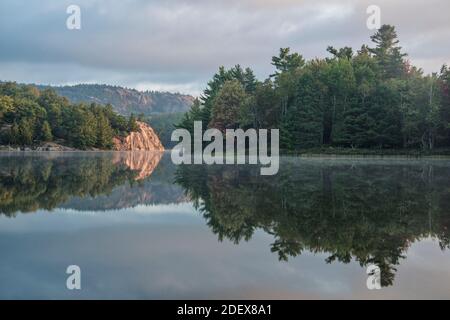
{"points": [[140, 227]]}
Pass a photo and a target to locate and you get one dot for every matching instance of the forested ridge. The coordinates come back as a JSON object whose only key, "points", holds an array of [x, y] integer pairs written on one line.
{"points": [[372, 98], [29, 117], [125, 101]]}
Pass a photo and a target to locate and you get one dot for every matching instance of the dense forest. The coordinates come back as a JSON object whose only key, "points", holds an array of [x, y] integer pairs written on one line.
{"points": [[29, 116], [372, 98]]}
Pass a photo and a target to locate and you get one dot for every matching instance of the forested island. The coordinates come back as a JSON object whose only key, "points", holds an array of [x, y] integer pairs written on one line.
{"points": [[30, 117], [371, 99]]}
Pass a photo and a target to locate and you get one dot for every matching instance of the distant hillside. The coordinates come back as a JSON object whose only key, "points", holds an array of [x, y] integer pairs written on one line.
{"points": [[126, 101]]}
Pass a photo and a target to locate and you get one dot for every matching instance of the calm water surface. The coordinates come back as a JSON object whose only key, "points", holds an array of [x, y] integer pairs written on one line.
{"points": [[140, 227]]}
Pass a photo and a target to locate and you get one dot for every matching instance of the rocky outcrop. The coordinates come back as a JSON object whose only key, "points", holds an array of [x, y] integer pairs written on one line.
{"points": [[51, 146], [145, 139], [47, 146]]}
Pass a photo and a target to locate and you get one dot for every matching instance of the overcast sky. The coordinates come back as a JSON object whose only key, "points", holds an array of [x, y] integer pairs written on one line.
{"points": [[177, 45]]}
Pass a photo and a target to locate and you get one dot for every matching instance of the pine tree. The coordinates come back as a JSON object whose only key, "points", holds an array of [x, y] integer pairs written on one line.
{"points": [[132, 125], [194, 114], [388, 53], [444, 109], [104, 132], [287, 133], [311, 107], [286, 61], [249, 81]]}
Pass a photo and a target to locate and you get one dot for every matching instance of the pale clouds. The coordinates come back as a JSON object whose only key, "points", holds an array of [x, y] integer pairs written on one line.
{"points": [[177, 45]]}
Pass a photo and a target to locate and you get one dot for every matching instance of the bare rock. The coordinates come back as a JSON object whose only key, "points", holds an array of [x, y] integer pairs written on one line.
{"points": [[51, 146], [145, 139]]}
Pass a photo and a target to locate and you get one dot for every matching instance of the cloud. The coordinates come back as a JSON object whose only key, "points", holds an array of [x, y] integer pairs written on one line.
{"points": [[179, 44]]}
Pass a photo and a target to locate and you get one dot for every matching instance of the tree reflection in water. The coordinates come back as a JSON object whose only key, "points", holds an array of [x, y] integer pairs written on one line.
{"points": [[29, 182], [367, 211]]}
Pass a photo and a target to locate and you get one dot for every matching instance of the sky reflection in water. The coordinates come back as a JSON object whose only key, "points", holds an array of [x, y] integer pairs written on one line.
{"points": [[153, 232]]}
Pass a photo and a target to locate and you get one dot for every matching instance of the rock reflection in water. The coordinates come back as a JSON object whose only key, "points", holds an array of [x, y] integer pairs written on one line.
{"points": [[143, 162]]}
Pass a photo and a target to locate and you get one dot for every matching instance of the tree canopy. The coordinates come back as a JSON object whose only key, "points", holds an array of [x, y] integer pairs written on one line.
{"points": [[29, 116], [369, 98]]}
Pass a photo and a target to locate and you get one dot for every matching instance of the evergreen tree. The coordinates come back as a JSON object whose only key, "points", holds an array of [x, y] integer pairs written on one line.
{"points": [[194, 114], [287, 68], [266, 107], [104, 132], [444, 109], [310, 109], [249, 81], [286, 61], [358, 125], [387, 52], [132, 125]]}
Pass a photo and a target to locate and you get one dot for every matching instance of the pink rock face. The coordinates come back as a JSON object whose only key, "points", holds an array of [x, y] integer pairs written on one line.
{"points": [[145, 139]]}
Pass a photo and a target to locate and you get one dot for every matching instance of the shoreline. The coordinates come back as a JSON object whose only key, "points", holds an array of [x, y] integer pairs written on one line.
{"points": [[347, 152], [303, 155]]}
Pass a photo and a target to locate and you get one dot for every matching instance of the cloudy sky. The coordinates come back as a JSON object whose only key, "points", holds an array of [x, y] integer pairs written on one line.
{"points": [[177, 45]]}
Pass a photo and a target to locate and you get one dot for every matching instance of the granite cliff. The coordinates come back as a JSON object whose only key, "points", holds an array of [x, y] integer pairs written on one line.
{"points": [[145, 139]]}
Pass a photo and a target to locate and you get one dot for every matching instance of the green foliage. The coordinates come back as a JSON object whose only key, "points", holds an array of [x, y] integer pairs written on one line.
{"points": [[25, 130], [46, 132], [226, 110], [104, 132], [164, 124], [132, 125], [29, 116], [287, 62], [6, 105], [387, 52], [369, 99], [444, 108], [201, 110]]}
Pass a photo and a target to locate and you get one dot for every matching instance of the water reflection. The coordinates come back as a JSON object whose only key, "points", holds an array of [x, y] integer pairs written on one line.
{"points": [[345, 210], [370, 212], [29, 182]]}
